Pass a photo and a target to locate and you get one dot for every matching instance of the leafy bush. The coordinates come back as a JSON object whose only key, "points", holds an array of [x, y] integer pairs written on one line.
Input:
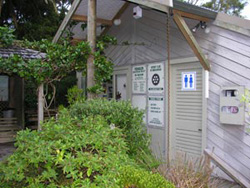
{"points": [[139, 178], [68, 152], [6, 36], [75, 95], [120, 114]]}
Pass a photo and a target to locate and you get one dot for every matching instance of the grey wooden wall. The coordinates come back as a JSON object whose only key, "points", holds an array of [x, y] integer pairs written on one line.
{"points": [[229, 55]]}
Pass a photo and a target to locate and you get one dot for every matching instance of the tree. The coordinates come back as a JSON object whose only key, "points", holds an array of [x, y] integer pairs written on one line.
{"points": [[61, 59], [33, 20], [231, 7]]}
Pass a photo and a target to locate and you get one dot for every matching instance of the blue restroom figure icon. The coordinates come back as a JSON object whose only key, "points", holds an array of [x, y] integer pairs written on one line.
{"points": [[191, 81], [186, 81]]}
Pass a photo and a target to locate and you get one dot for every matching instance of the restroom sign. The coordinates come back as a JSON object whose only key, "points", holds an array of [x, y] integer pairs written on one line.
{"points": [[188, 81], [156, 78]]}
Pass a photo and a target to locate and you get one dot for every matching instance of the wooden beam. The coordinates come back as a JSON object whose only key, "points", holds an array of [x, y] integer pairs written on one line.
{"points": [[66, 20], [152, 4], [191, 16], [117, 16], [83, 18], [180, 22], [237, 177]]}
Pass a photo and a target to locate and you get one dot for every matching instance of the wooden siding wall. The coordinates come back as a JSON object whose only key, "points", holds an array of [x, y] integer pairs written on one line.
{"points": [[229, 55]]}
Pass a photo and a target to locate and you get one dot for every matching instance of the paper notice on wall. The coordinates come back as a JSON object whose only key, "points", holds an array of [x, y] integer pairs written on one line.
{"points": [[140, 102], [156, 111], [156, 78], [139, 79]]}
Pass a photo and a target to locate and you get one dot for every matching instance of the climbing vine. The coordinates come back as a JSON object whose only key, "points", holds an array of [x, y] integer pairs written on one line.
{"points": [[61, 59]]}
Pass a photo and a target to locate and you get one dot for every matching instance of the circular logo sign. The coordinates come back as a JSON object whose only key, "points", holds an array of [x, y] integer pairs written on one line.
{"points": [[155, 79]]}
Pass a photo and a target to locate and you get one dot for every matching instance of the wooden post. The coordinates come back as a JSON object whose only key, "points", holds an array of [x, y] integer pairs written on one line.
{"points": [[40, 107], [92, 43]]}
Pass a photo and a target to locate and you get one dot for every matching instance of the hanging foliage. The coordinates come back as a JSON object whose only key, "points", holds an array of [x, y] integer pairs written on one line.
{"points": [[61, 59]]}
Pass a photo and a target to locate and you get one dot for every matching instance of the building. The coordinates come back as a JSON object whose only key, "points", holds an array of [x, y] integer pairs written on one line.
{"points": [[12, 95], [189, 83]]}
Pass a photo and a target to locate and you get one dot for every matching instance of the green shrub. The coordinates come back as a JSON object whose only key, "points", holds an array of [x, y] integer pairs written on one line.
{"points": [[75, 94], [131, 177], [68, 152], [119, 114]]}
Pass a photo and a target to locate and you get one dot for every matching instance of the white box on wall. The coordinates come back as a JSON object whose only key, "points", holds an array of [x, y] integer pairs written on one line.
{"points": [[232, 110]]}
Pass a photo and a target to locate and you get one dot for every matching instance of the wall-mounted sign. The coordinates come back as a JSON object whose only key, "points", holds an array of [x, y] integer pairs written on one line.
{"points": [[4, 88], [156, 111], [156, 78], [139, 79], [188, 81], [140, 102]]}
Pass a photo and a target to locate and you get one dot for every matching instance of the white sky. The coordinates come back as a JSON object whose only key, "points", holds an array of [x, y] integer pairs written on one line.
{"points": [[245, 12]]}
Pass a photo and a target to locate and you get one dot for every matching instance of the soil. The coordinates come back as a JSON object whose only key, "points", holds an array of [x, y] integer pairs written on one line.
{"points": [[6, 149]]}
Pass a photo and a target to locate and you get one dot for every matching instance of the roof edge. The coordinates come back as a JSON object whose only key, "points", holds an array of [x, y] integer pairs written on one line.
{"points": [[233, 23], [193, 9]]}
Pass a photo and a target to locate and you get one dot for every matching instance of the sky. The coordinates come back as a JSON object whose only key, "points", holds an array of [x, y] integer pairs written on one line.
{"points": [[245, 12]]}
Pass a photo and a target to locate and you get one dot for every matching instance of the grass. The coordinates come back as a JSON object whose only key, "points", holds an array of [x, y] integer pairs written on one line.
{"points": [[192, 172]]}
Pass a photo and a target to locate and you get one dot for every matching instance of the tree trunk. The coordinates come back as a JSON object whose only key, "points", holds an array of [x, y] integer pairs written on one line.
{"points": [[92, 43], [40, 107]]}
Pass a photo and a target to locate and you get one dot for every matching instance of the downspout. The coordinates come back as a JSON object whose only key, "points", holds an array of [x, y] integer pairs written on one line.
{"points": [[169, 88]]}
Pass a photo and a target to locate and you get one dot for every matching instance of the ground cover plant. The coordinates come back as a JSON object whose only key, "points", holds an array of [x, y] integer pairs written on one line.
{"points": [[81, 150], [189, 171]]}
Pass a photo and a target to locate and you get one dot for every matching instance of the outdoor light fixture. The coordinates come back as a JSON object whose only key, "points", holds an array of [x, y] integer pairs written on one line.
{"points": [[196, 27], [207, 30], [117, 22], [202, 24]]}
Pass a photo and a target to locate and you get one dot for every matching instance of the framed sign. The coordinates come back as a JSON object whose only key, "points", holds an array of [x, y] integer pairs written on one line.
{"points": [[156, 78], [139, 79], [140, 102], [156, 110]]}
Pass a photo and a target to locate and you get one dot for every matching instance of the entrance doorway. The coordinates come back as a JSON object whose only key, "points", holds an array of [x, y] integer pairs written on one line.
{"points": [[188, 108], [121, 83]]}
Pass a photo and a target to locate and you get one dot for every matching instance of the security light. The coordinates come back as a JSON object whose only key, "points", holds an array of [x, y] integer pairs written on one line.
{"points": [[196, 27], [117, 22], [203, 25]]}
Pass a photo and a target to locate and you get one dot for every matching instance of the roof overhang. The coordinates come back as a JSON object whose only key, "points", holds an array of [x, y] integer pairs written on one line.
{"points": [[109, 10]]}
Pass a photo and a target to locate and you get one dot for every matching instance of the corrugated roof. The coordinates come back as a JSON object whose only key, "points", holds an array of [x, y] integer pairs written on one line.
{"points": [[24, 52]]}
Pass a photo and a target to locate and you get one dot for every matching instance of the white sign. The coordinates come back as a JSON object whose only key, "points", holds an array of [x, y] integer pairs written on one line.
{"points": [[139, 101], [139, 79], [156, 78], [188, 81], [156, 111]]}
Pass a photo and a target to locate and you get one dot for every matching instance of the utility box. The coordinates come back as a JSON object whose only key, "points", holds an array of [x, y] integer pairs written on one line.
{"points": [[232, 110]]}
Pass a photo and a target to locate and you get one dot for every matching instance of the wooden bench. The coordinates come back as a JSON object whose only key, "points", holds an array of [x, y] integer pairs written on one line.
{"points": [[237, 177], [8, 129]]}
